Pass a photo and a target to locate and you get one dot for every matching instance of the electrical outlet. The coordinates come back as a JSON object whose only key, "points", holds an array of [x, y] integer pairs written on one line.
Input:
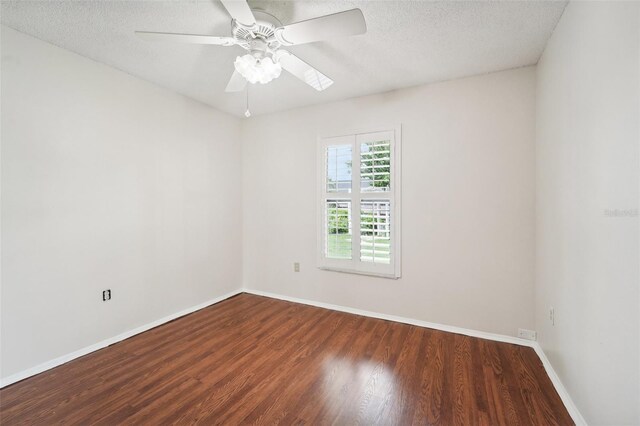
{"points": [[106, 295], [552, 315], [296, 267], [527, 334]]}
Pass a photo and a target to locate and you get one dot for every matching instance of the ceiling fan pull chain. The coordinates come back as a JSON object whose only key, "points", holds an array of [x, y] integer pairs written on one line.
{"points": [[247, 113]]}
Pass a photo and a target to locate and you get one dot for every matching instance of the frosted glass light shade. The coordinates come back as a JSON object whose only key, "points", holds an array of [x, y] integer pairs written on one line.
{"points": [[257, 70]]}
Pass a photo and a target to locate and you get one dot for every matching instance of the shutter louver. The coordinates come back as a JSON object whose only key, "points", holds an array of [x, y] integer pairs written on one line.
{"points": [[375, 166], [375, 231]]}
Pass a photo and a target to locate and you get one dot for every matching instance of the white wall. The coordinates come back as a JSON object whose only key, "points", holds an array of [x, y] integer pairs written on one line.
{"points": [[107, 182], [468, 202], [123, 185], [587, 164]]}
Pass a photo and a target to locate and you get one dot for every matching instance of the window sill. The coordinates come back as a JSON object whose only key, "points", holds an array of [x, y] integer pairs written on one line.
{"points": [[356, 272]]}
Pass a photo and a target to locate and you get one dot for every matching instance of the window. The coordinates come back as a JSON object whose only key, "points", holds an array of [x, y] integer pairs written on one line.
{"points": [[359, 206]]}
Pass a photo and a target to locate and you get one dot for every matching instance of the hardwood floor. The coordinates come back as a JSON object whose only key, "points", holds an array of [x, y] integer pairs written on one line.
{"points": [[255, 360]]}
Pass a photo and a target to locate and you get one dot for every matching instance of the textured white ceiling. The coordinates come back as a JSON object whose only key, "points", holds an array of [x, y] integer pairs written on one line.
{"points": [[407, 43]]}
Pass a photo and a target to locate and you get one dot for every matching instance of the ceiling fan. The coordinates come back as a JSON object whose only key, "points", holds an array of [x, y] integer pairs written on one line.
{"points": [[263, 36]]}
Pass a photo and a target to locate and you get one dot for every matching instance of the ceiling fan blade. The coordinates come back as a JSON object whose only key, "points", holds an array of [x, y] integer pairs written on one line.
{"points": [[347, 23], [240, 11], [237, 83], [303, 70], [186, 38]]}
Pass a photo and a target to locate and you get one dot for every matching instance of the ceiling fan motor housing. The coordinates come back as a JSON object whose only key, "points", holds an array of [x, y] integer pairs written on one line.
{"points": [[257, 37]]}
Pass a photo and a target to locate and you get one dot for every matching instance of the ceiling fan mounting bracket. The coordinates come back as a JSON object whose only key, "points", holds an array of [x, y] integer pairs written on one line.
{"points": [[280, 38]]}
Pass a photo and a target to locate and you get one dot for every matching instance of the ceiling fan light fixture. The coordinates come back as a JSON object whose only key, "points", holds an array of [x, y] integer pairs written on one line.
{"points": [[257, 70]]}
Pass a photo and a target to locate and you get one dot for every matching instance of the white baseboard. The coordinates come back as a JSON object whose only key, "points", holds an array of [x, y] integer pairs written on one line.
{"points": [[557, 383], [103, 344], [419, 323], [564, 395]]}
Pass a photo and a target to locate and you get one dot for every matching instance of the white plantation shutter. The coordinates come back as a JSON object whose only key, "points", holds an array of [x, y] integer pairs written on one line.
{"points": [[359, 180]]}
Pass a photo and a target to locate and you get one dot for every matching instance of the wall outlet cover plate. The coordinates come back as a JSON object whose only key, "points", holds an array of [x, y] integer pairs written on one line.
{"points": [[527, 334]]}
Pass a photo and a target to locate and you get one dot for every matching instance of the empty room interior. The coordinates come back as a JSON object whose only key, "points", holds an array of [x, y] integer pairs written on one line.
{"points": [[319, 212]]}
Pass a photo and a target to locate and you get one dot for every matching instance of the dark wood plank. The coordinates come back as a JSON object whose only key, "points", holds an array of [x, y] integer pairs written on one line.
{"points": [[255, 360]]}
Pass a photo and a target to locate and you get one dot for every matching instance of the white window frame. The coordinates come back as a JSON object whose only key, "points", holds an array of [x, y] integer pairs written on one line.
{"points": [[355, 265]]}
